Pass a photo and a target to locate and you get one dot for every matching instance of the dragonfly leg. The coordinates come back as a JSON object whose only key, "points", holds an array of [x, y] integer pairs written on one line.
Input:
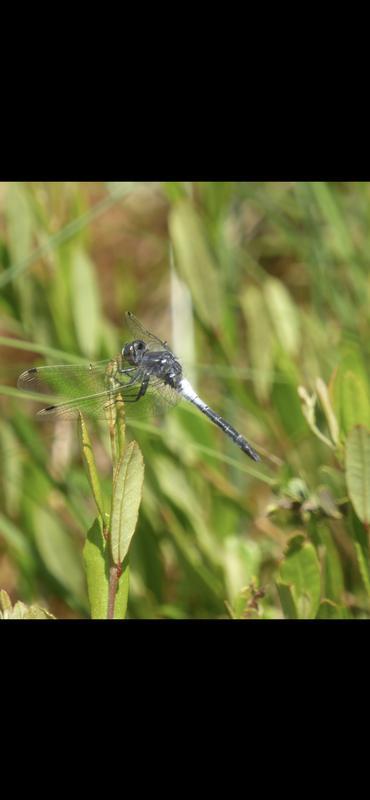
{"points": [[142, 389], [133, 378], [127, 369]]}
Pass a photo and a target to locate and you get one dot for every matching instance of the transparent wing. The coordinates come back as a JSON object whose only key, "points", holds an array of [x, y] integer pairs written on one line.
{"points": [[93, 388], [139, 332], [154, 402], [66, 380]]}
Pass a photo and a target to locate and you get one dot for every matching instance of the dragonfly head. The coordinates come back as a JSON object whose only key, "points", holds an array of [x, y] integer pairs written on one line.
{"points": [[134, 351]]}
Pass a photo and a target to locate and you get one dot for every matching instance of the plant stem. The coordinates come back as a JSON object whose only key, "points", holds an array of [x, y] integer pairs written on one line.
{"points": [[114, 573]]}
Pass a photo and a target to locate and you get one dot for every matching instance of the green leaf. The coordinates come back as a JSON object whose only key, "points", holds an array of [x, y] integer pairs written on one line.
{"points": [[96, 560], [357, 464], [333, 582], [331, 419], [287, 600], [194, 262], [349, 392], [362, 547], [120, 606], [308, 405], [175, 485], [327, 201], [15, 538], [127, 491], [284, 398], [301, 571], [20, 225], [89, 461], [330, 610], [85, 301], [96, 556], [363, 564], [241, 561], [19, 222], [58, 552], [11, 467], [283, 315], [260, 341]]}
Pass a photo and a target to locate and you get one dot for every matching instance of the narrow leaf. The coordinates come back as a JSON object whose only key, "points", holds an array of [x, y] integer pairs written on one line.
{"points": [[287, 601], [58, 552], [96, 560], [89, 461], [85, 301], [127, 492], [120, 606], [331, 419], [308, 405], [195, 263], [283, 315], [5, 601], [357, 463], [362, 547], [97, 564], [260, 341], [349, 392]]}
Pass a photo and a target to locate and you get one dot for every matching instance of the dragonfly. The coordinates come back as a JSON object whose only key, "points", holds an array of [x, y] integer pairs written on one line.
{"points": [[146, 375]]}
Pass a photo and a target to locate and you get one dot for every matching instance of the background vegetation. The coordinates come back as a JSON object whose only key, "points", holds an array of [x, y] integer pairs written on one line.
{"points": [[263, 291]]}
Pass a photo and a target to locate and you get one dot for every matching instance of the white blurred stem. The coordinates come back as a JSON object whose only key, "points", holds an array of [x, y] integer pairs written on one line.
{"points": [[182, 322]]}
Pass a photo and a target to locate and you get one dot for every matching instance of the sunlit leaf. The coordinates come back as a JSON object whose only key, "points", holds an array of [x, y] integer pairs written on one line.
{"points": [[58, 552], [260, 341], [349, 391], [283, 315], [85, 301], [300, 570], [5, 601], [20, 610], [241, 561], [195, 263], [309, 407], [332, 421], [326, 199], [19, 222]]}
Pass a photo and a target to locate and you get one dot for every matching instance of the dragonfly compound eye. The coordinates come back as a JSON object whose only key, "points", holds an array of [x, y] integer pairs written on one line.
{"points": [[133, 352]]}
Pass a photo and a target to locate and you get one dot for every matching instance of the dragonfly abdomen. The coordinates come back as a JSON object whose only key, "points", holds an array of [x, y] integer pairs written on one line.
{"points": [[188, 392]]}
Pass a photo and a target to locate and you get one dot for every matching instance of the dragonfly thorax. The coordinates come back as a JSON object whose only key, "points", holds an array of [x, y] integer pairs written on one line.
{"points": [[133, 352]]}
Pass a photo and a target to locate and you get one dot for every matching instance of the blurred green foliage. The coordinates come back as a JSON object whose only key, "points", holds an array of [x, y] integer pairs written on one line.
{"points": [[271, 284]]}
